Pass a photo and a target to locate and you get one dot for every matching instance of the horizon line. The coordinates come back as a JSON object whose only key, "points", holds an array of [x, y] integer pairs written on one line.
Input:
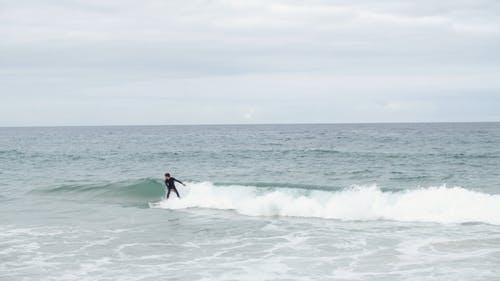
{"points": [[250, 124]]}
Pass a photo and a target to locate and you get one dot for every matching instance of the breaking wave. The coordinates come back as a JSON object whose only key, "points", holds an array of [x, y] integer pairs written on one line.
{"points": [[433, 204]]}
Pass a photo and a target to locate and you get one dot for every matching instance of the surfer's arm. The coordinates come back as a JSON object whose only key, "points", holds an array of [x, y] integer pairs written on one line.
{"points": [[179, 181]]}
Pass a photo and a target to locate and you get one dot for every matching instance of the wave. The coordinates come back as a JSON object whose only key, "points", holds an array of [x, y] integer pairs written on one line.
{"points": [[140, 190], [433, 204]]}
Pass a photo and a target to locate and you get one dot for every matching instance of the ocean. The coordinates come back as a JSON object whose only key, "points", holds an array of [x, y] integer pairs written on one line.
{"points": [[262, 202]]}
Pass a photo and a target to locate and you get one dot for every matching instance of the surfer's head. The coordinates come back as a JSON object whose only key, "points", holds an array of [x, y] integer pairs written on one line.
{"points": [[167, 175]]}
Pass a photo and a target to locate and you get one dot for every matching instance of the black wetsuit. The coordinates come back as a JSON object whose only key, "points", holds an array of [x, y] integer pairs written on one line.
{"points": [[170, 183]]}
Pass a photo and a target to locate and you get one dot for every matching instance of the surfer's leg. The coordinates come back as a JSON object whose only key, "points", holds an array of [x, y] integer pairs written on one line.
{"points": [[175, 189], [168, 193]]}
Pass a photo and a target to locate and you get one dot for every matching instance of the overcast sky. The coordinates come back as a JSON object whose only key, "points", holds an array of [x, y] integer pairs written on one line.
{"points": [[260, 61]]}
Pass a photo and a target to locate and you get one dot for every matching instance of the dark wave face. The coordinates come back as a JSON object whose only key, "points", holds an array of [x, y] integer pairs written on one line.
{"points": [[139, 191]]}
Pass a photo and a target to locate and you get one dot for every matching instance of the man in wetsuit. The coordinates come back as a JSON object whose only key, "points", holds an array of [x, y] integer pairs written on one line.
{"points": [[170, 183]]}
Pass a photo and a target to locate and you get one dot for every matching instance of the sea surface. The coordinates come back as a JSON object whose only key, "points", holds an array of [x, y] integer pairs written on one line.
{"points": [[262, 202]]}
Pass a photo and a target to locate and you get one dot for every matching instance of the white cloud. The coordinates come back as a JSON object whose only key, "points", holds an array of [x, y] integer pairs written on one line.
{"points": [[409, 106], [249, 114]]}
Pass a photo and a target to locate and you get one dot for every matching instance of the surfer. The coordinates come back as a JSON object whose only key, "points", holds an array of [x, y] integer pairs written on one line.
{"points": [[170, 183]]}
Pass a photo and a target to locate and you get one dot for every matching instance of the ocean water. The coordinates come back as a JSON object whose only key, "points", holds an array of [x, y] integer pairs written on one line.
{"points": [[262, 202]]}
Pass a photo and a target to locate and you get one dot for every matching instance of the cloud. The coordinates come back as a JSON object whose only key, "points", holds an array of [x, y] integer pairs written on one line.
{"points": [[235, 61]]}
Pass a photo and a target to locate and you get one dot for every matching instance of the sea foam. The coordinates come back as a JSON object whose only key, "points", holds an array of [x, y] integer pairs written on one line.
{"points": [[433, 204]]}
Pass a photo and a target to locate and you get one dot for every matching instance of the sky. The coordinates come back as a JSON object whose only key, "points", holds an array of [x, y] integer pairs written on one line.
{"points": [[150, 62]]}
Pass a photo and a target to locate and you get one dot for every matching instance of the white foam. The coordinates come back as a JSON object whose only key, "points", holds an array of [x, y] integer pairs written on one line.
{"points": [[433, 204]]}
